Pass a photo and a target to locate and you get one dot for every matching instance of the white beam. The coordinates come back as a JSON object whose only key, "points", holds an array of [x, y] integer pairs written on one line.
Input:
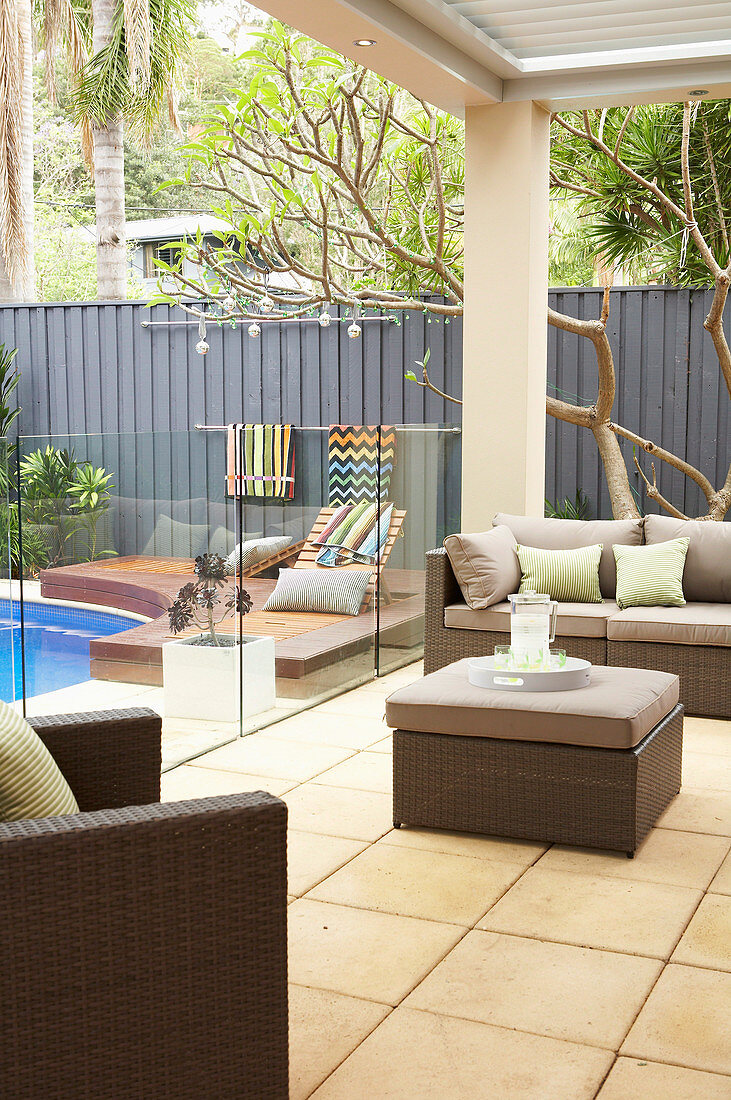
{"points": [[621, 86], [407, 51]]}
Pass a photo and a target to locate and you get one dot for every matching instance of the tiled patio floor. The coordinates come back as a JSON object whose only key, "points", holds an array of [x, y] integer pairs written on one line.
{"points": [[435, 965]]}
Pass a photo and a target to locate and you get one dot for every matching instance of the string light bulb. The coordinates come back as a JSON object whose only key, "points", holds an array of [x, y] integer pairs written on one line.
{"points": [[202, 347], [354, 331], [229, 303], [324, 319], [266, 305], [255, 329]]}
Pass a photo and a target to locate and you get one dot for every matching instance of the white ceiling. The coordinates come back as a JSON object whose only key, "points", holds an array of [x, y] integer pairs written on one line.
{"points": [[554, 28], [563, 53]]}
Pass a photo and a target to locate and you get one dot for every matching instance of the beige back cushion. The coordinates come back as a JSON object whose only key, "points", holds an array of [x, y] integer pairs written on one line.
{"points": [[569, 534], [707, 575], [485, 565]]}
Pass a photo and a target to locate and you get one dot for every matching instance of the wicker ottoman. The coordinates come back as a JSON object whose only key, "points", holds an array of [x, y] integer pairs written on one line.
{"points": [[594, 767]]}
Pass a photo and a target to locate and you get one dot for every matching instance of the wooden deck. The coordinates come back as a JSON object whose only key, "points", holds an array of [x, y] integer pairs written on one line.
{"points": [[304, 643]]}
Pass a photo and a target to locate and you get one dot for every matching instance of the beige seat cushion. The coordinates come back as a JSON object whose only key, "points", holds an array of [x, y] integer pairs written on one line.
{"points": [[618, 708], [569, 534], [575, 620], [707, 573], [694, 624]]}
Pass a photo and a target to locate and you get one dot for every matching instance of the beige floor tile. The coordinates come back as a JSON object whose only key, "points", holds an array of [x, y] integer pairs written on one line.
{"points": [[312, 856], [361, 703], [707, 939], [324, 1028], [685, 1020], [316, 728], [339, 811], [699, 811], [631, 1079], [523, 852], [421, 1056], [706, 735], [376, 956], [571, 993], [367, 771], [703, 769], [722, 882], [639, 918], [675, 858], [262, 754], [431, 885], [384, 685], [188, 782], [386, 745]]}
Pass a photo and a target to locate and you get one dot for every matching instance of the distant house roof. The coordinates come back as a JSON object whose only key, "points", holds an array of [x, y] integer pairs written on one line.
{"points": [[174, 228]]}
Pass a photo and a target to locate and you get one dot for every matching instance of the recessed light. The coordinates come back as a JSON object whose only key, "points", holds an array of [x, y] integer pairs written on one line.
{"points": [[698, 91], [364, 42]]}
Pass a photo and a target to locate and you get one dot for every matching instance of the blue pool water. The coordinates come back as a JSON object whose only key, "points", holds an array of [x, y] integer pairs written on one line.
{"points": [[56, 645]]}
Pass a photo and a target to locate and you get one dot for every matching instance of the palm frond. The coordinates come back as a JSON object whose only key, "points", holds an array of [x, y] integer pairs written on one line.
{"points": [[13, 241], [138, 40]]}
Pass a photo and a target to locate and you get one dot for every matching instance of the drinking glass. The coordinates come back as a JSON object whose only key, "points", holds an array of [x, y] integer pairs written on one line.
{"points": [[557, 658], [503, 656]]}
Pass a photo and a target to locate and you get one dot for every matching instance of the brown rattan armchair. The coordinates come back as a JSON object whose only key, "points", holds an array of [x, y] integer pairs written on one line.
{"points": [[142, 945]]}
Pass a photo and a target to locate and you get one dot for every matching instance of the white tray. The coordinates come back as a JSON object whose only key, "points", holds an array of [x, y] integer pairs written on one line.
{"points": [[574, 674]]}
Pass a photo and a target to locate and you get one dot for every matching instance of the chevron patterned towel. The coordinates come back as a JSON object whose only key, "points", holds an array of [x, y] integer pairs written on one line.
{"points": [[260, 460], [356, 535], [352, 455]]}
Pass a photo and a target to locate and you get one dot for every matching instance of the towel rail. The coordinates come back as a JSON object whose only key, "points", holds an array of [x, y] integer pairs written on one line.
{"points": [[326, 428]]}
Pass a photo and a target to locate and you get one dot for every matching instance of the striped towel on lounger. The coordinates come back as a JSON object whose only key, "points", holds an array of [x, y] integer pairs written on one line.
{"points": [[356, 535]]}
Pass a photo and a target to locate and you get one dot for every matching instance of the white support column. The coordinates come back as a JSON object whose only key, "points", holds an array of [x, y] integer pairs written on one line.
{"points": [[506, 281]]}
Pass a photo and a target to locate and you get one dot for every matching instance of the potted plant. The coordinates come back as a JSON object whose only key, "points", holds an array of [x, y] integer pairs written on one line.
{"points": [[201, 673]]}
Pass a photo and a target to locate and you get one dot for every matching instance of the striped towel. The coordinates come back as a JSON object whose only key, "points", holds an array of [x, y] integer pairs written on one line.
{"points": [[356, 535], [261, 458], [352, 456]]}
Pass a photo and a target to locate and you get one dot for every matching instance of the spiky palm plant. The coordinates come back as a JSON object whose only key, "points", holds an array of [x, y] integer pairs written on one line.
{"points": [[123, 57]]}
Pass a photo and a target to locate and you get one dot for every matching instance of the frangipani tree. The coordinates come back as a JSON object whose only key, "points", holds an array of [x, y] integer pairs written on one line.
{"points": [[351, 189]]}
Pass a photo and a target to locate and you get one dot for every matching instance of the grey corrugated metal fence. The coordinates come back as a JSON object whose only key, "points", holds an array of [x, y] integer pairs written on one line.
{"points": [[92, 368], [669, 390]]}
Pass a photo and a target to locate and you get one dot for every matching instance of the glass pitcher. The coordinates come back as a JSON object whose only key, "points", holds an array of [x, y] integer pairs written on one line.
{"points": [[532, 628]]}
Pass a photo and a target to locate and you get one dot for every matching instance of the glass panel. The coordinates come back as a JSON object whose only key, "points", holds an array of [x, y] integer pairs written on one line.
{"points": [[111, 526], [11, 671], [425, 488], [301, 646]]}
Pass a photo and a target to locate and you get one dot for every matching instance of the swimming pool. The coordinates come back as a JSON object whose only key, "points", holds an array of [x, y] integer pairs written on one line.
{"points": [[56, 645]]}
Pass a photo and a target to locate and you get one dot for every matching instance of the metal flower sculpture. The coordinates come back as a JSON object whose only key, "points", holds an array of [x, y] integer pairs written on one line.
{"points": [[197, 602]]}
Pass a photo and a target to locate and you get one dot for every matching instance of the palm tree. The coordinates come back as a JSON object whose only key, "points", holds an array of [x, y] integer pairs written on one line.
{"points": [[123, 57], [17, 281]]}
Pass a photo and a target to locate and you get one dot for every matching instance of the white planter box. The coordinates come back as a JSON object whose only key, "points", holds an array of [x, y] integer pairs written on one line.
{"points": [[202, 681]]}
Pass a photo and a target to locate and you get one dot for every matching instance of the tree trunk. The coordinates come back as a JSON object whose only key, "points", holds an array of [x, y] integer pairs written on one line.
{"points": [[111, 248], [23, 287]]}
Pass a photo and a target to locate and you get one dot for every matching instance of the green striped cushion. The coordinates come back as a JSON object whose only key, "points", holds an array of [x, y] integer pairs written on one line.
{"points": [[567, 575], [651, 576], [31, 784]]}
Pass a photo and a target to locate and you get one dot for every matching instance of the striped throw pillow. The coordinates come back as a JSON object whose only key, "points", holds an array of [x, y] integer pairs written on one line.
{"points": [[651, 576], [571, 576], [31, 784], [253, 551], [336, 593]]}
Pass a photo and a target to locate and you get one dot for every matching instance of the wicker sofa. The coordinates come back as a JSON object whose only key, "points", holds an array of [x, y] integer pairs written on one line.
{"points": [[692, 641], [142, 946]]}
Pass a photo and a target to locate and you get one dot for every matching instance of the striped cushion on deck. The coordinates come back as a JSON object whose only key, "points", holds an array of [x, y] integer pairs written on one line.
{"points": [[31, 784], [339, 592], [566, 575], [651, 576]]}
